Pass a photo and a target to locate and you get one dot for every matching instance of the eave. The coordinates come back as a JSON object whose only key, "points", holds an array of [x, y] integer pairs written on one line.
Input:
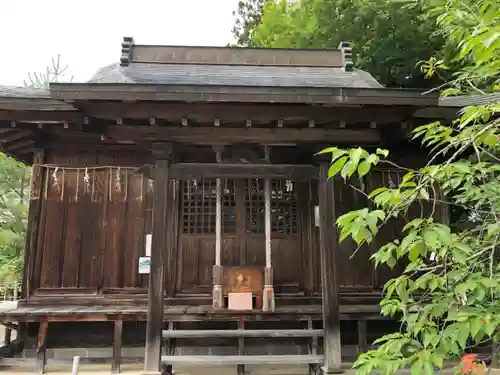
{"points": [[209, 93]]}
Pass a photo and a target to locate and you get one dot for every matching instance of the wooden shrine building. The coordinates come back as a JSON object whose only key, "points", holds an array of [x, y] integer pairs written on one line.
{"points": [[178, 208]]}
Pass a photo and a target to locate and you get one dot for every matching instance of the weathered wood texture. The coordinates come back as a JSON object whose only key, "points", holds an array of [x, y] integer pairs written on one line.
{"points": [[159, 258], [329, 286], [90, 238]]}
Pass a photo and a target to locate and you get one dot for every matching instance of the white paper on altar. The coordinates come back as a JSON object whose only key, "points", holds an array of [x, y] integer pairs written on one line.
{"points": [[149, 237], [239, 301]]}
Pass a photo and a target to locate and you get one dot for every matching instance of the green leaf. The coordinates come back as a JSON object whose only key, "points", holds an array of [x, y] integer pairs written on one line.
{"points": [[363, 168], [349, 169], [424, 194], [337, 166], [391, 262], [476, 327], [463, 335], [355, 155], [416, 368], [382, 152], [377, 192], [431, 239]]}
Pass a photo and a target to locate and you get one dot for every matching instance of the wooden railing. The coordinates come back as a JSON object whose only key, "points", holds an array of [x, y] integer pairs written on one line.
{"points": [[10, 291]]}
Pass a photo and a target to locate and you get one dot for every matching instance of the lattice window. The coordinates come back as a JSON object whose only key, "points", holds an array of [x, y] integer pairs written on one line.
{"points": [[199, 206], [255, 205], [283, 206], [199, 199]]}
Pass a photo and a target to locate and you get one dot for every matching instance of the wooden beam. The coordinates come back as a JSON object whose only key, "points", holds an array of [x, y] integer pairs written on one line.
{"points": [[240, 112], [158, 260], [34, 104], [328, 243], [221, 135], [14, 136], [187, 171], [15, 147]]}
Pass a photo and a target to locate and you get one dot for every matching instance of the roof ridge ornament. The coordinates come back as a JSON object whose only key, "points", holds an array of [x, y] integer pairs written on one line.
{"points": [[127, 44], [346, 51]]}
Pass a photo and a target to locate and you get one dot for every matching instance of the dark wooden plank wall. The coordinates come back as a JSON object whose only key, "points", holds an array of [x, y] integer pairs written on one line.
{"points": [[355, 270], [89, 239]]}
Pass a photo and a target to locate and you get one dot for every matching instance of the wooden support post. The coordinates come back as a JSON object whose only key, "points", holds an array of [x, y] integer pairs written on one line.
{"points": [[41, 346], [362, 340], [35, 209], [170, 345], [158, 254], [7, 337], [117, 347], [494, 353], [314, 347], [328, 243], [241, 346]]}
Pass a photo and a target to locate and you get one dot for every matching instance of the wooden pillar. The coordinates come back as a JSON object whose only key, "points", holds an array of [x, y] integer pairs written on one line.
{"points": [[35, 208], [268, 292], [117, 347], [159, 246], [41, 347], [330, 301], [362, 339]]}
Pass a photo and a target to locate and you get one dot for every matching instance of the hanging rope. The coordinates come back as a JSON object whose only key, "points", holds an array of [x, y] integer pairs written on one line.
{"points": [[267, 211], [218, 216]]}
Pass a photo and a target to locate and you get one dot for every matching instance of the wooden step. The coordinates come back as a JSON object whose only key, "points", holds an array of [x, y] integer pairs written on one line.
{"points": [[205, 360], [241, 333]]}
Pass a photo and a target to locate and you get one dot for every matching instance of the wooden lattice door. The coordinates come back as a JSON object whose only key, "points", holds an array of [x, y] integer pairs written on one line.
{"points": [[243, 230]]}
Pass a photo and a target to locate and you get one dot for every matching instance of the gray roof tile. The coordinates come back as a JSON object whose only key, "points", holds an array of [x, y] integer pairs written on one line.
{"points": [[227, 75], [23, 92], [466, 100]]}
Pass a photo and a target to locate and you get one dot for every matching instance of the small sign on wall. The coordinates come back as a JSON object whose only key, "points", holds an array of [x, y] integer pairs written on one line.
{"points": [[144, 265]]}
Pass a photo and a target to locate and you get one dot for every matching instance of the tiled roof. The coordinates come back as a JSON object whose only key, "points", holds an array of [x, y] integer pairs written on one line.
{"points": [[23, 92], [466, 100], [234, 75]]}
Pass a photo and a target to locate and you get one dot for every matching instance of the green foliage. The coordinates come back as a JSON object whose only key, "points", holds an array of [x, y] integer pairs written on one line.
{"points": [[388, 40], [247, 16], [448, 296], [14, 197]]}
